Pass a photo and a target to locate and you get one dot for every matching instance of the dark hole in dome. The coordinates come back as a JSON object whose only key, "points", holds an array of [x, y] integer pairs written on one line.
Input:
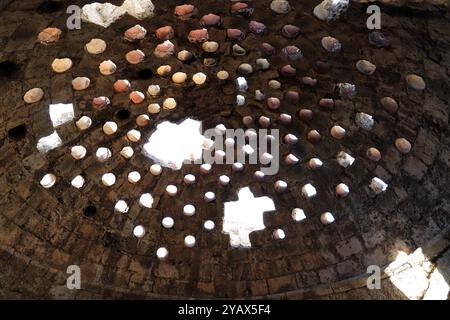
{"points": [[123, 114], [8, 68], [145, 74], [90, 211], [18, 132], [49, 6]]}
